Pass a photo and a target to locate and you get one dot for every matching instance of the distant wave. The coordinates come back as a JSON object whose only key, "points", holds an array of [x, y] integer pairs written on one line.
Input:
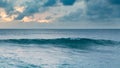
{"points": [[69, 42]]}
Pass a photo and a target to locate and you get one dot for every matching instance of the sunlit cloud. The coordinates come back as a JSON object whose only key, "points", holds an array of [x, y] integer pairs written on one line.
{"points": [[2, 13], [19, 9], [27, 19], [5, 17]]}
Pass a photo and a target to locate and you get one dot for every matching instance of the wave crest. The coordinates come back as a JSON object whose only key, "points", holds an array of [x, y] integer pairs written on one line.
{"points": [[73, 42]]}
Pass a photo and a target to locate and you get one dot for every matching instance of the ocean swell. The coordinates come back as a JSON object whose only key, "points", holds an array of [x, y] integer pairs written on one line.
{"points": [[72, 42]]}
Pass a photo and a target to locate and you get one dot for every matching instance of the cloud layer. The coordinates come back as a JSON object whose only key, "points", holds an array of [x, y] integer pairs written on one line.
{"points": [[27, 10], [96, 10], [45, 11]]}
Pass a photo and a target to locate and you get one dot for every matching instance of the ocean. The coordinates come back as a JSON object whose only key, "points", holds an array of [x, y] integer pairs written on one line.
{"points": [[59, 48]]}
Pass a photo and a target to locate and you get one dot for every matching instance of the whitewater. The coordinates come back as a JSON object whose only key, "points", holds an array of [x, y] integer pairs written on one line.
{"points": [[59, 48]]}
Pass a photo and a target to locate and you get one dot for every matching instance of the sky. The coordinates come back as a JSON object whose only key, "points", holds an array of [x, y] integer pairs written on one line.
{"points": [[60, 14]]}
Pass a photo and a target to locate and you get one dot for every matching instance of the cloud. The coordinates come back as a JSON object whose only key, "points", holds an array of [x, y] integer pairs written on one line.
{"points": [[30, 8], [19, 9], [59, 10], [50, 3], [64, 2], [3, 3], [115, 2], [68, 2], [25, 10], [7, 5], [96, 10], [36, 6]]}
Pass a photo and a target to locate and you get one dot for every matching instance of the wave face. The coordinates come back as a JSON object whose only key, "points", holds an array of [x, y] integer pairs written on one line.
{"points": [[65, 42]]}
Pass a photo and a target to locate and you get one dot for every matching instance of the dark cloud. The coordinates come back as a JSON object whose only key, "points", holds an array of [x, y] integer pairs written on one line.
{"points": [[73, 17], [35, 6], [50, 3], [3, 3], [68, 2], [115, 2], [102, 9], [53, 2], [96, 10], [32, 7], [7, 5]]}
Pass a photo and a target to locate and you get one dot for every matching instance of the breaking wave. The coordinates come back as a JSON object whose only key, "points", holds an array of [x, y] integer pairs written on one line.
{"points": [[67, 42]]}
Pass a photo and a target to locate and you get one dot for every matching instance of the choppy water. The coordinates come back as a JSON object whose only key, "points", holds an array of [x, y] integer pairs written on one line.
{"points": [[59, 48]]}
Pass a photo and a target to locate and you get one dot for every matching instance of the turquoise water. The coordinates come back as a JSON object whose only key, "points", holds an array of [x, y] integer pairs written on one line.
{"points": [[59, 48]]}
